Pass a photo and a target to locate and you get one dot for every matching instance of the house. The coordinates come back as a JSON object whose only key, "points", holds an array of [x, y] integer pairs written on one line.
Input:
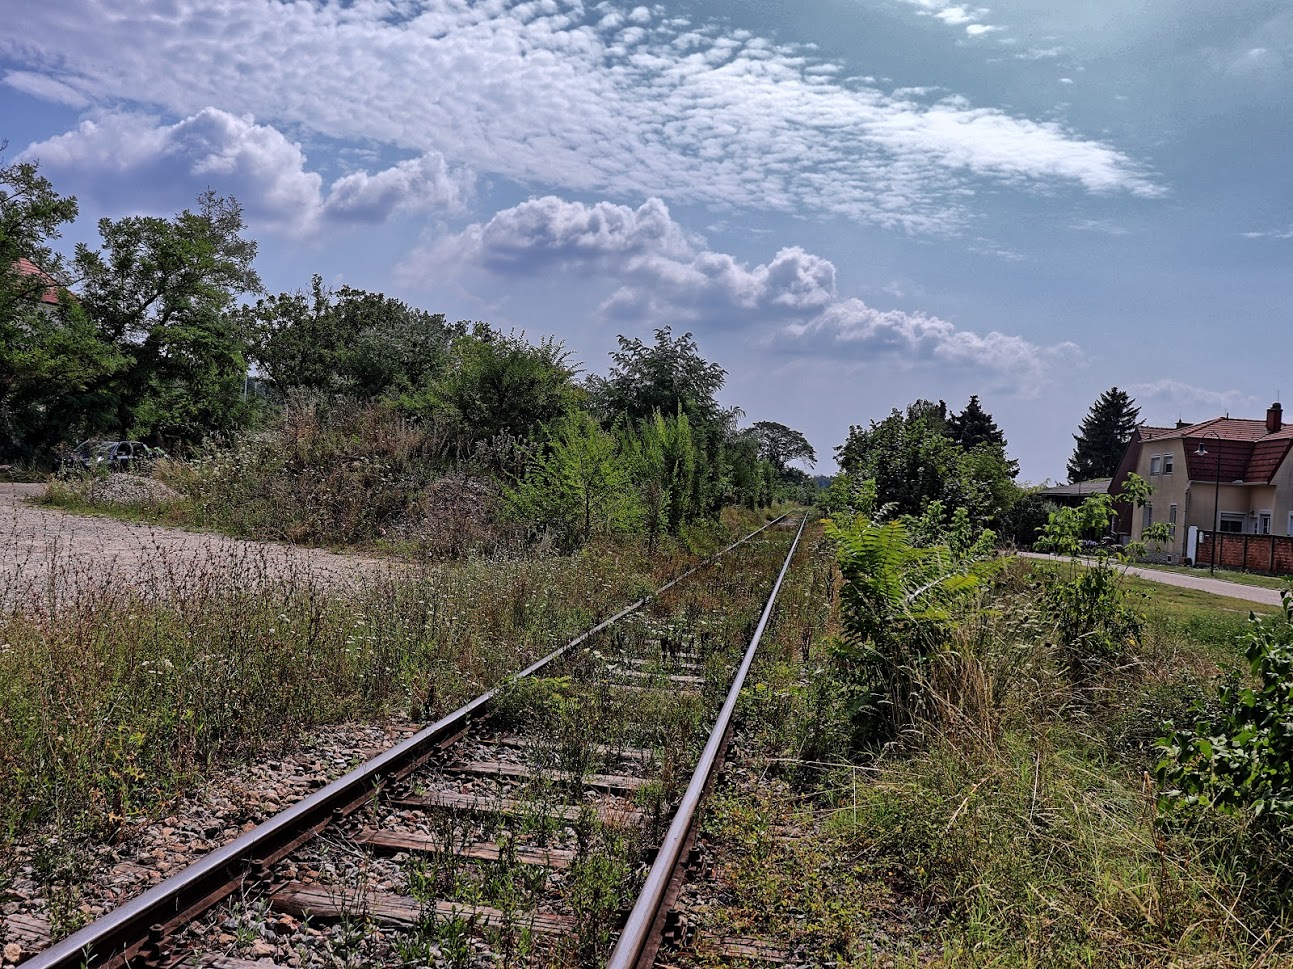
{"points": [[1074, 494], [36, 284], [1229, 473]]}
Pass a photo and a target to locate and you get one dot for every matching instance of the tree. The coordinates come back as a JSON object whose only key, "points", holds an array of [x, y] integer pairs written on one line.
{"points": [[667, 377], [909, 457], [1103, 436], [974, 426], [349, 341], [780, 444], [163, 291], [53, 361], [579, 486], [912, 459], [31, 214], [499, 383]]}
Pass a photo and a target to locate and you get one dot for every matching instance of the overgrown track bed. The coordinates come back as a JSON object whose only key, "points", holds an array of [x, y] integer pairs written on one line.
{"points": [[514, 831]]}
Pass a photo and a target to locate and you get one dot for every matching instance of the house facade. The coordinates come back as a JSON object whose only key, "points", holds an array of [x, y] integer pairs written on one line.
{"points": [[1229, 473]]}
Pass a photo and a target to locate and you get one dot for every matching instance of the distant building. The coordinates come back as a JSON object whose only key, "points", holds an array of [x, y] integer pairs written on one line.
{"points": [[1076, 493], [44, 296], [1241, 463]]}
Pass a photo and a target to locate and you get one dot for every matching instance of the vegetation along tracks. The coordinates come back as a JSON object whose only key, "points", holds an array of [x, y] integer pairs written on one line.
{"points": [[517, 828]]}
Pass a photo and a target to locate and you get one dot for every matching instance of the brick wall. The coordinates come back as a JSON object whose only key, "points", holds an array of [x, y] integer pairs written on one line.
{"points": [[1256, 553]]}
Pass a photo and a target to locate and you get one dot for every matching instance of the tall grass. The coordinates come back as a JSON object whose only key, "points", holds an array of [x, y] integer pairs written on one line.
{"points": [[1015, 825], [116, 691]]}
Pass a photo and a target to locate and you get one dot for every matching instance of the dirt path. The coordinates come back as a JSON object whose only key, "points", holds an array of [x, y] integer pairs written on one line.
{"points": [[44, 549], [1219, 587]]}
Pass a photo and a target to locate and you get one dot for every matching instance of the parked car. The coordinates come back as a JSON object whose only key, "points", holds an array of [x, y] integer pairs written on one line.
{"points": [[96, 455]]}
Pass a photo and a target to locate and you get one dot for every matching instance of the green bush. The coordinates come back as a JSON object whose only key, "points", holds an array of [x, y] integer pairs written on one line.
{"points": [[1240, 758]]}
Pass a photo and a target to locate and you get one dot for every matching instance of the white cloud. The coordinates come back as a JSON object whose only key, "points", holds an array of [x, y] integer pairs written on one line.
{"points": [[956, 15], [612, 100], [135, 158], [661, 276], [1270, 234], [1184, 401], [46, 87]]}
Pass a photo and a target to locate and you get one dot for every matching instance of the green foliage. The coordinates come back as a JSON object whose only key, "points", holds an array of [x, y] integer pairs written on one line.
{"points": [[500, 383], [780, 444], [579, 486], [667, 377], [348, 342], [1095, 627], [1238, 757], [1103, 436], [848, 495], [53, 361], [31, 214], [162, 290], [913, 459], [896, 610]]}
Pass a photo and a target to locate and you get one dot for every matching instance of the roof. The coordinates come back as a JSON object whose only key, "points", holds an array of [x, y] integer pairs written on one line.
{"points": [[1236, 449], [25, 267], [1078, 489]]}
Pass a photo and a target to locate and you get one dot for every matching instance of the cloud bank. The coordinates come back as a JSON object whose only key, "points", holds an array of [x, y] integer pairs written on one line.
{"points": [[611, 100], [663, 276], [134, 158]]}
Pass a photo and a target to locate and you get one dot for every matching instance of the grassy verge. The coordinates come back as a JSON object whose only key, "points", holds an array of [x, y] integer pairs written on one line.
{"points": [[114, 697], [1016, 826], [1277, 582]]}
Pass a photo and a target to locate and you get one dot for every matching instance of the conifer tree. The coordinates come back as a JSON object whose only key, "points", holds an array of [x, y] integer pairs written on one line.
{"points": [[974, 426], [1103, 436]]}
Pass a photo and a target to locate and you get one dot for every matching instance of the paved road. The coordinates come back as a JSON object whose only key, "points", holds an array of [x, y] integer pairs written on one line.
{"points": [[1220, 587], [44, 549]]}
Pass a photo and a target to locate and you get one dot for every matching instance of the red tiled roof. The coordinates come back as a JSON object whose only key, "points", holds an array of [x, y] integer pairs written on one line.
{"points": [[1247, 452], [25, 267]]}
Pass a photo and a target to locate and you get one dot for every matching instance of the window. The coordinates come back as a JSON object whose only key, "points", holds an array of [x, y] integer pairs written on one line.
{"points": [[1168, 462], [1171, 520], [1156, 464], [1263, 523], [1149, 517], [1233, 521]]}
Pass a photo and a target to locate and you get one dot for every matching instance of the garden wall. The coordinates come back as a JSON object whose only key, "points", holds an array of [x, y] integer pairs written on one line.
{"points": [[1272, 554]]}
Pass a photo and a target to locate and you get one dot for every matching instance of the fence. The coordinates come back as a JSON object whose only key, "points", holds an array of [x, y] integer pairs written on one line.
{"points": [[1272, 554]]}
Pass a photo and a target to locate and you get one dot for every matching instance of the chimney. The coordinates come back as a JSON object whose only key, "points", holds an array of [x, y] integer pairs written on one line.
{"points": [[1274, 418]]}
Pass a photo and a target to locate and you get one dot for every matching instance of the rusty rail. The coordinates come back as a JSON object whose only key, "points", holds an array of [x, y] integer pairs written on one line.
{"points": [[137, 930], [642, 934]]}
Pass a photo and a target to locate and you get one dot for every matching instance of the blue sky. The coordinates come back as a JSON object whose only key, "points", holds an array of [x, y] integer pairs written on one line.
{"points": [[851, 204]]}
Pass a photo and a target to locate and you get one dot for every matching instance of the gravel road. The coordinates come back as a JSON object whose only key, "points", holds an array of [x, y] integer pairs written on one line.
{"points": [[1220, 587], [44, 549]]}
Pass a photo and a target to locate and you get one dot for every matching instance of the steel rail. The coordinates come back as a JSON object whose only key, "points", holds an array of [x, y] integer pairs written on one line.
{"points": [[641, 936], [138, 928]]}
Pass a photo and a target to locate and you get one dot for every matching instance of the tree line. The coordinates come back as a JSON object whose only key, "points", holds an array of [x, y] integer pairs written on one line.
{"points": [[168, 318]]}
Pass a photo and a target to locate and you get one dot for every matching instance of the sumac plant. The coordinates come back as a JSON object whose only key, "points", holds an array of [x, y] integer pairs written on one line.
{"points": [[1237, 757]]}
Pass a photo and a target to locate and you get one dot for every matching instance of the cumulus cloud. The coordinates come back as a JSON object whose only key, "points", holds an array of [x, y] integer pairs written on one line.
{"points": [[663, 276], [613, 99], [956, 15], [135, 158], [1192, 403]]}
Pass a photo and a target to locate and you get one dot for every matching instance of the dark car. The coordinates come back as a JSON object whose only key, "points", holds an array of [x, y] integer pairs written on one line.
{"points": [[96, 455]]}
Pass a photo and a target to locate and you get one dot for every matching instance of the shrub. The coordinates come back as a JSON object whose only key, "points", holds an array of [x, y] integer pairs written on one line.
{"points": [[1239, 759]]}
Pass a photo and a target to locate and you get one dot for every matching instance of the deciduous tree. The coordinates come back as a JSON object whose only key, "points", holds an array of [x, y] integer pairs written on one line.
{"points": [[163, 290]]}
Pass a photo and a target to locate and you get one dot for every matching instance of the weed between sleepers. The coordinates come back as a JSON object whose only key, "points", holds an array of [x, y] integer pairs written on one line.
{"points": [[578, 721]]}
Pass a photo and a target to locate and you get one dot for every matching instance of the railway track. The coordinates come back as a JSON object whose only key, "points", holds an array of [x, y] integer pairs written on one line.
{"points": [[517, 830]]}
